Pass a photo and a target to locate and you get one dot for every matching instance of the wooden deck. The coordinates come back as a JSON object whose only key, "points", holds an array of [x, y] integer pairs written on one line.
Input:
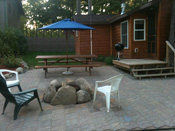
{"points": [[135, 63], [140, 68]]}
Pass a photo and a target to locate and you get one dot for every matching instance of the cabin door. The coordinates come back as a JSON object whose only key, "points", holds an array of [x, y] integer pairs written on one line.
{"points": [[152, 36]]}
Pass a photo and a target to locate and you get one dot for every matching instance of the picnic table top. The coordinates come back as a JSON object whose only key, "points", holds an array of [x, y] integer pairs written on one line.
{"points": [[64, 56]]}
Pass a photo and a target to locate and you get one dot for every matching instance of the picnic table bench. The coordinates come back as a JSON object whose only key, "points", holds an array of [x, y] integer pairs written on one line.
{"points": [[48, 62]]}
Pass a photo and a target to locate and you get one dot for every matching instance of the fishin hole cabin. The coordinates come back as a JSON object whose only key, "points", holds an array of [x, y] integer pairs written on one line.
{"points": [[143, 31]]}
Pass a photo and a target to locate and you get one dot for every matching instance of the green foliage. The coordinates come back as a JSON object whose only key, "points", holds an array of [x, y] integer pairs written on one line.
{"points": [[42, 12], [107, 59], [12, 41], [21, 42], [10, 61], [45, 33], [106, 6], [101, 58], [132, 4]]}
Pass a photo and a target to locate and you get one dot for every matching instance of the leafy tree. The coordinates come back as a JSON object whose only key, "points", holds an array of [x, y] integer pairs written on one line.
{"points": [[132, 4], [102, 6], [43, 12], [106, 6]]}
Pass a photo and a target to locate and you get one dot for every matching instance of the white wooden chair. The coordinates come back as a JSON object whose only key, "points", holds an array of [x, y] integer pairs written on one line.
{"points": [[110, 86], [11, 83]]}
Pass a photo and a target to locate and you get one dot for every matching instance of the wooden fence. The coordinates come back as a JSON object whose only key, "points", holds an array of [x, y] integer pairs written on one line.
{"points": [[50, 44], [49, 41]]}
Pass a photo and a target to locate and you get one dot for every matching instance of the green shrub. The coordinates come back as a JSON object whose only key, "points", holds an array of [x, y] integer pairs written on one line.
{"points": [[108, 60], [21, 42], [12, 41], [101, 58], [11, 61]]}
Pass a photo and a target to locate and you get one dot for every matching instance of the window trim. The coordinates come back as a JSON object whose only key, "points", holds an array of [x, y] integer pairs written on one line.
{"points": [[126, 21], [144, 30]]}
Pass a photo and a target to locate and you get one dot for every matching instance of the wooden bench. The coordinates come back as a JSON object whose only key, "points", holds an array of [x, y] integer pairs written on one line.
{"points": [[64, 61], [45, 67]]}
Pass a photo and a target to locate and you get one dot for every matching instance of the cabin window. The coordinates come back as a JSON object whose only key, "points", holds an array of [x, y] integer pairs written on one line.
{"points": [[139, 29], [124, 33]]}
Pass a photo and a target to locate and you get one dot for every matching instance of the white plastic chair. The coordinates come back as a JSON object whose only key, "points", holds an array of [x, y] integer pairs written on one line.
{"points": [[110, 86], [11, 83]]}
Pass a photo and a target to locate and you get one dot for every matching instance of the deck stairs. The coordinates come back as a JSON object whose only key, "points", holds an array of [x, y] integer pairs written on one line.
{"points": [[152, 70]]}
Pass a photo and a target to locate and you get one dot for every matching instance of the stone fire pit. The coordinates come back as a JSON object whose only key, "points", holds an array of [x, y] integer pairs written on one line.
{"points": [[68, 92]]}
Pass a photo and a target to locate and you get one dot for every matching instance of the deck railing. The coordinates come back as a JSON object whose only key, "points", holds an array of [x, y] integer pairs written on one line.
{"points": [[169, 46]]}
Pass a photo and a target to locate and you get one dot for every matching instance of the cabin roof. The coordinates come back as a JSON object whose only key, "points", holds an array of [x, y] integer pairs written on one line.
{"points": [[93, 19]]}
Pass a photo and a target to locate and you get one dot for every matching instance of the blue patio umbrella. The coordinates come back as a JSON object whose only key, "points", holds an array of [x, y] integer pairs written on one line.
{"points": [[66, 25]]}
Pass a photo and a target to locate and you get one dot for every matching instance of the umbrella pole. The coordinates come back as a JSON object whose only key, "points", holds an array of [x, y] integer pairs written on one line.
{"points": [[67, 47], [67, 72]]}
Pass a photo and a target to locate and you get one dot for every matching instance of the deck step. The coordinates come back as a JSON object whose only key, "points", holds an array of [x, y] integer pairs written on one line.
{"points": [[152, 69], [153, 75]]}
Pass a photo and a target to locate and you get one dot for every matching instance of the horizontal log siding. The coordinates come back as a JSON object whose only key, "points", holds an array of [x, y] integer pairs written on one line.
{"points": [[116, 37], [141, 45], [163, 30], [84, 43], [100, 41]]}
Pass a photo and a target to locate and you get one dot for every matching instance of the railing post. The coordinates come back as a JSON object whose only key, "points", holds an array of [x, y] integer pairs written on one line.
{"points": [[167, 54]]}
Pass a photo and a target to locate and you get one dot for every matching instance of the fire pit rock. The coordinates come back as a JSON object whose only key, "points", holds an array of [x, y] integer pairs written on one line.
{"points": [[83, 84], [68, 92], [65, 95], [49, 95], [83, 96], [55, 83]]}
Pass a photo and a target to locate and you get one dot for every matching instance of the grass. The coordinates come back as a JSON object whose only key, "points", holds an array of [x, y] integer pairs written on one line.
{"points": [[30, 59]]}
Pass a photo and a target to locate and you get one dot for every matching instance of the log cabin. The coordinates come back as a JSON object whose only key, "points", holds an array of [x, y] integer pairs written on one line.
{"points": [[143, 31]]}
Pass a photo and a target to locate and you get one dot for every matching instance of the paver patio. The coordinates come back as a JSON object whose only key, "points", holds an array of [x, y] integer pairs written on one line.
{"points": [[144, 103]]}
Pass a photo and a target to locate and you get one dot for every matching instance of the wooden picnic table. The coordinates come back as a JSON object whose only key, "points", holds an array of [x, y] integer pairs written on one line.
{"points": [[83, 61]]}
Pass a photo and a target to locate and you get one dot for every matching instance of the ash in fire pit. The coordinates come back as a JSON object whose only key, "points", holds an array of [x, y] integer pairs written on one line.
{"points": [[68, 92]]}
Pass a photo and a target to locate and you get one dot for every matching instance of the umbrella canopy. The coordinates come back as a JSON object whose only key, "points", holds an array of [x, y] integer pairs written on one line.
{"points": [[66, 24]]}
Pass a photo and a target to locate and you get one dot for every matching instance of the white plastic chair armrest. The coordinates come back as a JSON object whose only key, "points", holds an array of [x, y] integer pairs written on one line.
{"points": [[109, 81], [104, 81], [10, 71]]}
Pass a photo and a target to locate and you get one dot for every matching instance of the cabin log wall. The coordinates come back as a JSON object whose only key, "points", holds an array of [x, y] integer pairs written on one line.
{"points": [[141, 45], [106, 36], [100, 41], [164, 17], [116, 37]]}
